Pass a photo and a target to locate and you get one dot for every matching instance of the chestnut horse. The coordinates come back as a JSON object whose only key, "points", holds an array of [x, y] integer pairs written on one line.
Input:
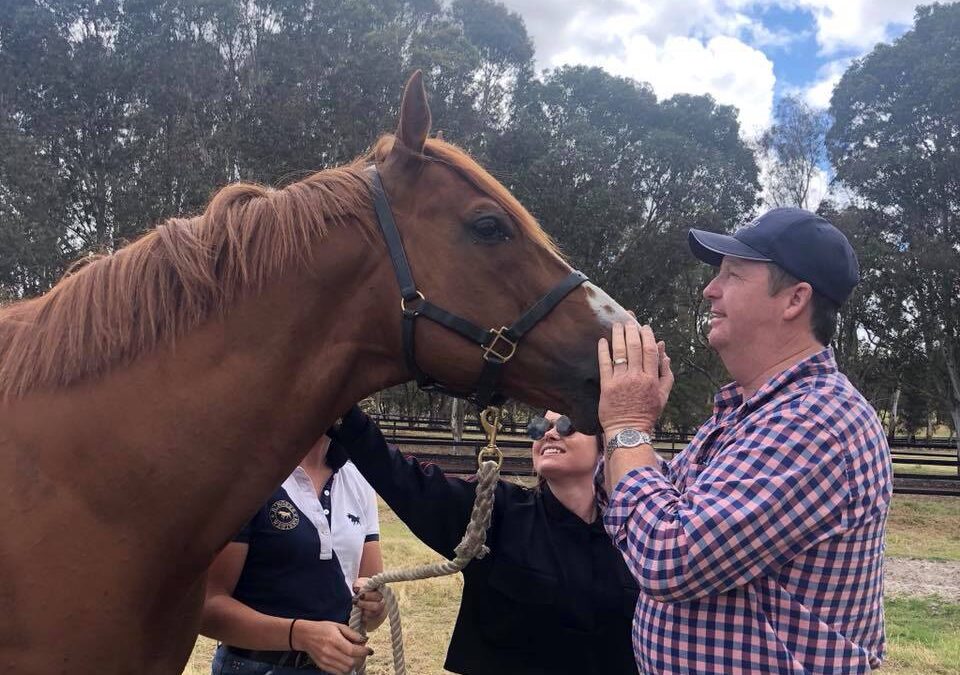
{"points": [[155, 397]]}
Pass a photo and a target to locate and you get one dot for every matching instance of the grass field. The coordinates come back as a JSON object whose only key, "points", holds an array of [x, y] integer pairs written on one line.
{"points": [[924, 527], [923, 636], [923, 633]]}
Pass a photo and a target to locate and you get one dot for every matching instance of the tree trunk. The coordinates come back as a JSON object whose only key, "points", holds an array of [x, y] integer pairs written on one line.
{"points": [[894, 412], [954, 374], [457, 414], [955, 413]]}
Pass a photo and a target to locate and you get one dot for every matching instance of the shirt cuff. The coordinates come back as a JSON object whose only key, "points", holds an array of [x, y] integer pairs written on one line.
{"points": [[352, 427], [630, 496]]}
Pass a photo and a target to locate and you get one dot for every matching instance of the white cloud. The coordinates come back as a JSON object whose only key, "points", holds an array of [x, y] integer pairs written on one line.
{"points": [[818, 94], [855, 25], [707, 46], [733, 72]]}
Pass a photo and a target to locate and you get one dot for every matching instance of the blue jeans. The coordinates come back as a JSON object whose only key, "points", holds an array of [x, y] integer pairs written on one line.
{"points": [[225, 663]]}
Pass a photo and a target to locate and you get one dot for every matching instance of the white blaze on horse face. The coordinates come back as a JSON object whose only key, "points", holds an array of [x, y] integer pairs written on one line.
{"points": [[606, 309]]}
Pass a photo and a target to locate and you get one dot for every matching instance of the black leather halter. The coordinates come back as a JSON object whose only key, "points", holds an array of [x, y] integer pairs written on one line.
{"points": [[498, 344]]}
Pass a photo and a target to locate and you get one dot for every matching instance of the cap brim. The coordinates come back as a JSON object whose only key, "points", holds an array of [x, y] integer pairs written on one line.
{"points": [[711, 247]]}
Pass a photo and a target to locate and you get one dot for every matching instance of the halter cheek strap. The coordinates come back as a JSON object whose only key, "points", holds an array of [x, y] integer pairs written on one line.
{"points": [[498, 344]]}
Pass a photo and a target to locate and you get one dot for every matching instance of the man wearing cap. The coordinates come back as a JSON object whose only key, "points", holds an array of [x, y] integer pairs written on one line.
{"points": [[758, 548]]}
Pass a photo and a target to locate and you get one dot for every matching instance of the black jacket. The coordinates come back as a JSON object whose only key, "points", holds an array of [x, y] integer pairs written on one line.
{"points": [[552, 596]]}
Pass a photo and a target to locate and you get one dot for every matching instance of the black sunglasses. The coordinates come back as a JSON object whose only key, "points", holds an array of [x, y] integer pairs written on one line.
{"points": [[539, 426]]}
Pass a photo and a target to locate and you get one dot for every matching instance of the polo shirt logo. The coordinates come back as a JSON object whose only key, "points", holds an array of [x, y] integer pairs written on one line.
{"points": [[354, 519], [284, 515]]}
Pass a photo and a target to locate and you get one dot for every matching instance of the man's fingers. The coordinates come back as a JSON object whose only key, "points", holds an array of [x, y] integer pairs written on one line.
{"points": [[650, 351], [634, 345], [618, 343], [603, 360], [666, 374]]}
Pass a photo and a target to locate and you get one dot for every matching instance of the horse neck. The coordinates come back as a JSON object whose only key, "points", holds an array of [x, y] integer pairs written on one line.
{"points": [[214, 423]]}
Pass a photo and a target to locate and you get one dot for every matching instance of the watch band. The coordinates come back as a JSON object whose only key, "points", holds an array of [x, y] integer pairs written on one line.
{"points": [[627, 438]]}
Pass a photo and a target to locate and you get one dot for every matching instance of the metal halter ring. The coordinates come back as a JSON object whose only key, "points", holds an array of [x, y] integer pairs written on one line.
{"points": [[403, 303]]}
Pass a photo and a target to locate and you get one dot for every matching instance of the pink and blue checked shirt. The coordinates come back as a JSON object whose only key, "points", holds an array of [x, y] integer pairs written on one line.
{"points": [[759, 548]]}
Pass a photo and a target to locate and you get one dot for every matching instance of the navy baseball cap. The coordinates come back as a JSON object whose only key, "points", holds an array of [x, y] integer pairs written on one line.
{"points": [[801, 242]]}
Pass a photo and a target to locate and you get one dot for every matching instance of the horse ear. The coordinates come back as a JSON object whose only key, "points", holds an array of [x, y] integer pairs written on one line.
{"points": [[414, 114]]}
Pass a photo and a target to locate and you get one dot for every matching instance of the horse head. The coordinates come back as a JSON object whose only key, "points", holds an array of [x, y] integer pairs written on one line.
{"points": [[476, 252]]}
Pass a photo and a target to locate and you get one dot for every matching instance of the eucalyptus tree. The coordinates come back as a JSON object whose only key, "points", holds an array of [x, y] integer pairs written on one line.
{"points": [[896, 142]]}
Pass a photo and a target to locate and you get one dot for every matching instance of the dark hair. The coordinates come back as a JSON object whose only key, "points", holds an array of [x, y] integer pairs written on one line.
{"points": [[823, 318]]}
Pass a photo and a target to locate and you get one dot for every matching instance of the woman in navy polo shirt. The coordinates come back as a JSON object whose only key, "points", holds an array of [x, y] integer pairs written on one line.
{"points": [[553, 596], [279, 595]]}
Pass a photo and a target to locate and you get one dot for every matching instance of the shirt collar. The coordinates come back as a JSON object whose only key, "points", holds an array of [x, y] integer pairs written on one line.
{"points": [[730, 396], [560, 513]]}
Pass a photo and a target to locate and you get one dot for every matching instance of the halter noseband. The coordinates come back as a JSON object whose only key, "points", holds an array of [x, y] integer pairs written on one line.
{"points": [[498, 344]]}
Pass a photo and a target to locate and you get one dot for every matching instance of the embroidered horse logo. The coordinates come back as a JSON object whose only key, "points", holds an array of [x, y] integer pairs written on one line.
{"points": [[284, 515], [354, 519]]}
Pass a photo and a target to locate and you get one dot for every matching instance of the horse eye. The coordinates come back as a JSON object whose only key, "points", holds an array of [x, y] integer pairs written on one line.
{"points": [[488, 229]]}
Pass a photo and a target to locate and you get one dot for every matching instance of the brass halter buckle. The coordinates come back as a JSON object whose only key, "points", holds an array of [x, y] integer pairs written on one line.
{"points": [[490, 420], [497, 352]]}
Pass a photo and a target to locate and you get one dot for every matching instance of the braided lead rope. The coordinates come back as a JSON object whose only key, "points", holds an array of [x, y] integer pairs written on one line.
{"points": [[471, 546]]}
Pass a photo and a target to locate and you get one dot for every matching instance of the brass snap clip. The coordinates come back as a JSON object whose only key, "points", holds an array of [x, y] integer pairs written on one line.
{"points": [[491, 422]]}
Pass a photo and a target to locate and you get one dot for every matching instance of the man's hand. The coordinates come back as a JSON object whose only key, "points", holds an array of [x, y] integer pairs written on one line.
{"points": [[372, 606], [635, 379], [332, 646]]}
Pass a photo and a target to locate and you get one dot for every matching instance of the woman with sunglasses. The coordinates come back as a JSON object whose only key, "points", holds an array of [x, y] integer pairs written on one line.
{"points": [[553, 595]]}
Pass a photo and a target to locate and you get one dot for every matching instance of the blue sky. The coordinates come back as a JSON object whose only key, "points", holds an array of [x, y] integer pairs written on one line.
{"points": [[745, 53]]}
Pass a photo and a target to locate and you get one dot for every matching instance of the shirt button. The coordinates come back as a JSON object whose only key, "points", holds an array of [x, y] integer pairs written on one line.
{"points": [[326, 512], [326, 492]]}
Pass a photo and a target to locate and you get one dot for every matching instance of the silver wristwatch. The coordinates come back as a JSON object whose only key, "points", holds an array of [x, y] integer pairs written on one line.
{"points": [[627, 438]]}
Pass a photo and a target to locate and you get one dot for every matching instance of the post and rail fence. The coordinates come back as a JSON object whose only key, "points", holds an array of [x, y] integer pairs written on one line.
{"points": [[921, 467]]}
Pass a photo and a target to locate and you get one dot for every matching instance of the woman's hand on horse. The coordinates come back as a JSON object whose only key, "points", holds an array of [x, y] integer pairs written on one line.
{"points": [[371, 603], [332, 646]]}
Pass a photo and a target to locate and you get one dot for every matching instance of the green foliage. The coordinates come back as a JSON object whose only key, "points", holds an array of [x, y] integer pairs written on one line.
{"points": [[116, 115], [895, 143]]}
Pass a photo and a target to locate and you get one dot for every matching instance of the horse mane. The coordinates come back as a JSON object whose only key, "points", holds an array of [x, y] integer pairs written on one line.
{"points": [[107, 310]]}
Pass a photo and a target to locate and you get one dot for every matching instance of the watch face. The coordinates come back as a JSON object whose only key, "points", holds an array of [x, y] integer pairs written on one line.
{"points": [[629, 438]]}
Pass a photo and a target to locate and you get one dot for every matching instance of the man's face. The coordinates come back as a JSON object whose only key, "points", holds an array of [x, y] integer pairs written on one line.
{"points": [[741, 307]]}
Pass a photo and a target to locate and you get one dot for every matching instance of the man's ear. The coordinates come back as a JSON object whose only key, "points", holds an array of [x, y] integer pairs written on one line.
{"points": [[800, 297]]}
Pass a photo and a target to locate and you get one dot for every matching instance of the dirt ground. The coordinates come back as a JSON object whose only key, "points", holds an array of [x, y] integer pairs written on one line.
{"points": [[905, 576]]}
